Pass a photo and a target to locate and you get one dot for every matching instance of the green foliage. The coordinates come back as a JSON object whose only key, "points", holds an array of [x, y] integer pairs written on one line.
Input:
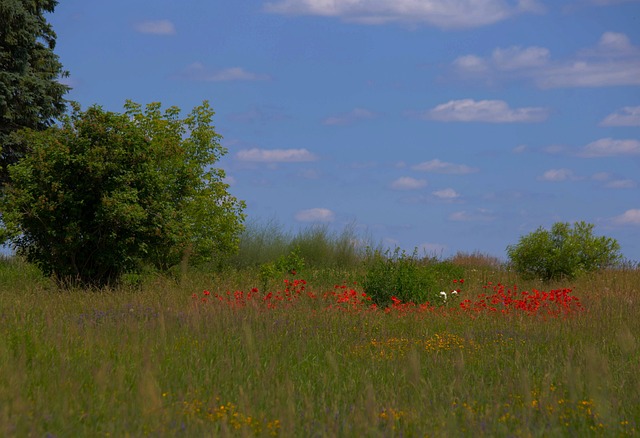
{"points": [[106, 193], [16, 272], [30, 94], [289, 264], [562, 252], [407, 277]]}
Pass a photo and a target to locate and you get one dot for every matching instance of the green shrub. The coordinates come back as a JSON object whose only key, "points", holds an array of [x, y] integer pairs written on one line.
{"points": [[15, 273], [407, 277], [562, 252], [290, 264]]}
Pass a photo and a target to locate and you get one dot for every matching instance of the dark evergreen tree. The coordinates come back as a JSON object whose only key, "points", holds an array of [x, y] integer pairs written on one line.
{"points": [[30, 94]]}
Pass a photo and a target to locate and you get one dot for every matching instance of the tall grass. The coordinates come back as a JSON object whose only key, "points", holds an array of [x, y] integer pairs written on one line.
{"points": [[264, 242], [153, 360]]}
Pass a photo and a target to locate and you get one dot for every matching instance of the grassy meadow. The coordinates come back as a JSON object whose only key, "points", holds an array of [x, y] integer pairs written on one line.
{"points": [[206, 354]]}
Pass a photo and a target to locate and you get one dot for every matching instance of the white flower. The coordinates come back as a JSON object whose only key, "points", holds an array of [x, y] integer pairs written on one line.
{"points": [[444, 295], [455, 292]]}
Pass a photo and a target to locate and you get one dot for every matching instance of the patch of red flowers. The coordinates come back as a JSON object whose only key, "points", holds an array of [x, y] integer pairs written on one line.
{"points": [[343, 297], [498, 300]]}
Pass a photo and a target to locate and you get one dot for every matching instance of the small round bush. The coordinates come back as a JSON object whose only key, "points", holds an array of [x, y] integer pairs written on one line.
{"points": [[565, 251], [407, 277]]}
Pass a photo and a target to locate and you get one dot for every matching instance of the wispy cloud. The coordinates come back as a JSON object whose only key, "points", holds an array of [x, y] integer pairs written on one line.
{"points": [[621, 184], [447, 194], [601, 176], [608, 147], [627, 116], [471, 63], [315, 215], [408, 183], [488, 111], [228, 179], [613, 61], [350, 118], [155, 27], [515, 58], [437, 166], [69, 81], [276, 155], [445, 14], [479, 215], [309, 174], [629, 217], [198, 72], [557, 175], [612, 2]]}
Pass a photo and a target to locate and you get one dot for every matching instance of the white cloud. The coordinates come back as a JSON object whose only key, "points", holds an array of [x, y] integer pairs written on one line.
{"points": [[489, 111], [460, 216], [437, 166], [69, 81], [408, 183], [446, 194], [629, 217], [157, 27], [556, 149], [556, 175], [590, 75], [608, 147], [520, 149], [621, 184], [471, 63], [309, 174], [440, 13], [198, 72], [613, 61], [480, 215], [350, 118], [276, 155], [612, 2], [315, 215], [627, 116], [515, 57], [612, 44], [601, 176]]}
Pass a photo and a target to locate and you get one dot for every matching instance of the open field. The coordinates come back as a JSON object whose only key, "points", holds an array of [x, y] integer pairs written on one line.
{"points": [[155, 360]]}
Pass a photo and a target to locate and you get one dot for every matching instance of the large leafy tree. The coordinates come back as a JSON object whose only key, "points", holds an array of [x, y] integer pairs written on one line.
{"points": [[105, 193], [30, 94]]}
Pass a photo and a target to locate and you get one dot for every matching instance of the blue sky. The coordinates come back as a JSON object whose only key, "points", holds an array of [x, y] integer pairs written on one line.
{"points": [[438, 124]]}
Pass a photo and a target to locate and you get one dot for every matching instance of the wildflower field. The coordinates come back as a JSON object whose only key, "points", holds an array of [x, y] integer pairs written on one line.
{"points": [[313, 355]]}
